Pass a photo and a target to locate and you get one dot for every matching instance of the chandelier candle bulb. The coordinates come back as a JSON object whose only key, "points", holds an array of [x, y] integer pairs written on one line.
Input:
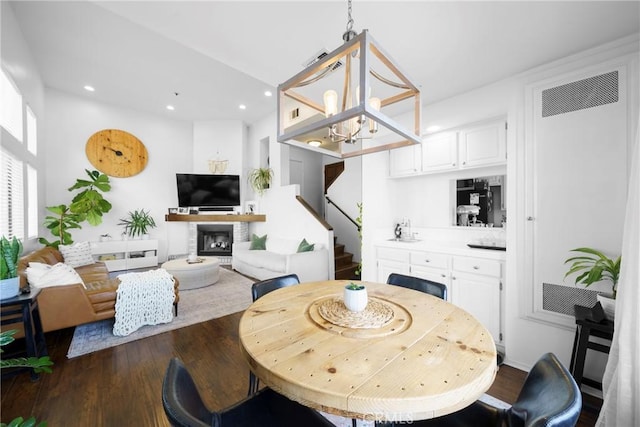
{"points": [[330, 103]]}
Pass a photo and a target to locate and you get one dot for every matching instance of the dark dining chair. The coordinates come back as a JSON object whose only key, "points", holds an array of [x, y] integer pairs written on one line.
{"points": [[549, 397], [423, 285], [184, 407], [262, 288]]}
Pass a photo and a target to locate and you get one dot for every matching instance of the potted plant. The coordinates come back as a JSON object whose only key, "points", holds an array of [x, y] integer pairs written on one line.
{"points": [[39, 364], [260, 179], [355, 297], [137, 223], [10, 251], [594, 266], [88, 205]]}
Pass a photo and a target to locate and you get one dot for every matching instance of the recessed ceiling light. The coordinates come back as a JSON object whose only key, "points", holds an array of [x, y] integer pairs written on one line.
{"points": [[170, 107], [242, 107], [433, 128], [314, 143], [267, 93], [89, 88]]}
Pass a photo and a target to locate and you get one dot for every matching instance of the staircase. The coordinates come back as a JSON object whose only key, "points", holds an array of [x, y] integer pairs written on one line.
{"points": [[345, 267]]}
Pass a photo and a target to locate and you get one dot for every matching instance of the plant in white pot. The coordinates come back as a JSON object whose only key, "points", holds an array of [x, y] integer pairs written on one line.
{"points": [[260, 179], [10, 251], [355, 297], [138, 223], [593, 266]]}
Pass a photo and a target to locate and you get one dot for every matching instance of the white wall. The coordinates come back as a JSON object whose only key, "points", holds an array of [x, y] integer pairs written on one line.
{"points": [[218, 140], [19, 64], [71, 120]]}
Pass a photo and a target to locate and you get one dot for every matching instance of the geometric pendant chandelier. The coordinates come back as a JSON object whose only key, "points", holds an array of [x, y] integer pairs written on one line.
{"points": [[342, 104]]}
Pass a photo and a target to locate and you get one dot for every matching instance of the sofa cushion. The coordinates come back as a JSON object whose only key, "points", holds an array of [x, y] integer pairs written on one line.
{"points": [[258, 243], [263, 259], [77, 255], [305, 246], [279, 245], [45, 275]]}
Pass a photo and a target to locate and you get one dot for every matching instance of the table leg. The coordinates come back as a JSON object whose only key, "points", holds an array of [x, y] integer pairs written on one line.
{"points": [[579, 353], [30, 343]]}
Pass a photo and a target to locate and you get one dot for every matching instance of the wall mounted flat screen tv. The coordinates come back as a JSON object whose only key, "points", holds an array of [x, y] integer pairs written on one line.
{"points": [[196, 190]]}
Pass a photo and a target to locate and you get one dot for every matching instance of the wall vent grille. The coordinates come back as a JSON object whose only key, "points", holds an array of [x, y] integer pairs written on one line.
{"points": [[580, 95], [561, 299]]}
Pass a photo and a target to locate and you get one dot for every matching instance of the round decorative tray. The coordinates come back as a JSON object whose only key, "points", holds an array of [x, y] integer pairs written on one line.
{"points": [[375, 315]]}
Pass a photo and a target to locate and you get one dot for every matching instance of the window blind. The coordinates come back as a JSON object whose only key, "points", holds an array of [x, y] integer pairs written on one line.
{"points": [[12, 196]]}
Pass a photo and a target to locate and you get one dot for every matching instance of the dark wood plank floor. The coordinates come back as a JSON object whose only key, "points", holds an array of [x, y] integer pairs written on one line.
{"points": [[121, 386]]}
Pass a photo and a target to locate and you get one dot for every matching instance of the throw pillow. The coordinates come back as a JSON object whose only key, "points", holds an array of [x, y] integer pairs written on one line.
{"points": [[52, 275], [305, 246], [77, 255], [258, 243]]}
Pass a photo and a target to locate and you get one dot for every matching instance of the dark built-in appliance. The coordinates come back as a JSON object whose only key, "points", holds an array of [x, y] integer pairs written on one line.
{"points": [[208, 192], [478, 193]]}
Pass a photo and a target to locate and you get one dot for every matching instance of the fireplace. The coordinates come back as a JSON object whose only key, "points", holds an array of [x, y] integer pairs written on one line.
{"points": [[215, 240]]}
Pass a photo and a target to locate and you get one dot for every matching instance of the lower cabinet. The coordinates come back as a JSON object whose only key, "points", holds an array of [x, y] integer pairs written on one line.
{"points": [[474, 284], [121, 255]]}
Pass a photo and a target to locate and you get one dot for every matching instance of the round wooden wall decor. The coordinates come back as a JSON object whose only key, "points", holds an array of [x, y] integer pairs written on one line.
{"points": [[116, 153]]}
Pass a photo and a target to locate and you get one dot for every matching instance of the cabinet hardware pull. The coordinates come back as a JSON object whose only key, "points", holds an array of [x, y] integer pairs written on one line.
{"points": [[529, 218], [426, 260], [443, 275], [475, 267]]}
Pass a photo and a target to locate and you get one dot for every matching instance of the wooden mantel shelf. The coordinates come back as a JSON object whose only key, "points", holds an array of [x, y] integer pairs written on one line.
{"points": [[215, 218]]}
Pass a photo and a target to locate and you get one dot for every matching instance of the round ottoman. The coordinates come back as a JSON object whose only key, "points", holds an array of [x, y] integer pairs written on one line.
{"points": [[194, 275]]}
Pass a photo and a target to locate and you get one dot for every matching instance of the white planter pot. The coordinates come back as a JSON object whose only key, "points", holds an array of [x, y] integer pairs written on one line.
{"points": [[9, 288], [608, 305], [355, 299]]}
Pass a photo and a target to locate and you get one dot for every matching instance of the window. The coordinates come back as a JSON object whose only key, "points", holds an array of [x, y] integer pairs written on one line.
{"points": [[32, 132], [10, 107], [32, 202], [12, 196]]}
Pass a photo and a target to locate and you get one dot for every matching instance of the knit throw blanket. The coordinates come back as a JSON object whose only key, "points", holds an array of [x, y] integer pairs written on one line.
{"points": [[143, 299]]}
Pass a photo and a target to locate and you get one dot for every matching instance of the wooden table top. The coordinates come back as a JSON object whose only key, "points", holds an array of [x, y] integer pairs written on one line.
{"points": [[431, 359]]}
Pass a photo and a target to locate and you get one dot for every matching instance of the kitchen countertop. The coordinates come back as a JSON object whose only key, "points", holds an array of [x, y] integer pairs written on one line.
{"points": [[452, 248]]}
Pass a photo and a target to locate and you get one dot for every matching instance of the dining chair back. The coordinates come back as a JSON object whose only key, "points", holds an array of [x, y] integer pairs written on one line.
{"points": [[262, 288], [549, 397], [423, 285], [184, 407]]}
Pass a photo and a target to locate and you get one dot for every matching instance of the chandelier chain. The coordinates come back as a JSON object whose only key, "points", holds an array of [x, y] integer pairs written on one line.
{"points": [[350, 20]]}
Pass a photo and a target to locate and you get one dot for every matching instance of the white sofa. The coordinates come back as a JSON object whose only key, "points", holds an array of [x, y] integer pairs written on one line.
{"points": [[280, 258]]}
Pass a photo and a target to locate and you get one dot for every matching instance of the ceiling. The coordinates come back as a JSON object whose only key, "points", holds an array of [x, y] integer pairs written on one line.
{"points": [[207, 57]]}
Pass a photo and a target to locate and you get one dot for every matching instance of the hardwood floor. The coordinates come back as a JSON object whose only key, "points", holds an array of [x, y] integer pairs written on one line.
{"points": [[121, 386]]}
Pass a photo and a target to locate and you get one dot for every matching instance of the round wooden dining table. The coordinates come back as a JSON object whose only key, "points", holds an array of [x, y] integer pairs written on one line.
{"points": [[408, 356]]}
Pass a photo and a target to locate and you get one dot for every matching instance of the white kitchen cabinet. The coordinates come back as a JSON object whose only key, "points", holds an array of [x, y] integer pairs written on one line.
{"points": [[405, 161], [476, 145], [440, 152], [484, 144], [473, 283], [476, 285], [126, 254]]}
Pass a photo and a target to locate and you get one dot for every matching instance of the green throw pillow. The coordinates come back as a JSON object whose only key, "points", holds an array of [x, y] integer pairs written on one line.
{"points": [[305, 246], [258, 243]]}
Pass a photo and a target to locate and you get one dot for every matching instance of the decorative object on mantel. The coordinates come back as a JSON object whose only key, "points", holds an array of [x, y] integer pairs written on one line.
{"points": [[218, 166], [116, 153], [595, 267], [355, 297], [347, 117]]}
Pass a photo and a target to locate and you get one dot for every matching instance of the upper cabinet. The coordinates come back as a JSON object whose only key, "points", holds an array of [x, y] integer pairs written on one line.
{"points": [[483, 145], [472, 146]]}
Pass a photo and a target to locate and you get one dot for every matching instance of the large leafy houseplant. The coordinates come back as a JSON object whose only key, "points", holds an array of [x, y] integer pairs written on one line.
{"points": [[39, 364], [10, 251], [260, 179], [88, 205], [593, 266], [137, 223]]}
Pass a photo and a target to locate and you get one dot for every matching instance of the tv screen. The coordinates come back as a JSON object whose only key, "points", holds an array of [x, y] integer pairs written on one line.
{"points": [[208, 190]]}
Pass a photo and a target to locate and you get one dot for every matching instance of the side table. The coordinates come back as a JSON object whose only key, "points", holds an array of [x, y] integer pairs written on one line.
{"points": [[23, 308], [586, 328]]}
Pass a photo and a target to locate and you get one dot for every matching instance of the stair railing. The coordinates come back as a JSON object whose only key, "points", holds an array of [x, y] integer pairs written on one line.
{"points": [[331, 202]]}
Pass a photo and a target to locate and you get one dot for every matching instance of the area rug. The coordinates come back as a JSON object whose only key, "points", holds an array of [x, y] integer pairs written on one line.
{"points": [[232, 293]]}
